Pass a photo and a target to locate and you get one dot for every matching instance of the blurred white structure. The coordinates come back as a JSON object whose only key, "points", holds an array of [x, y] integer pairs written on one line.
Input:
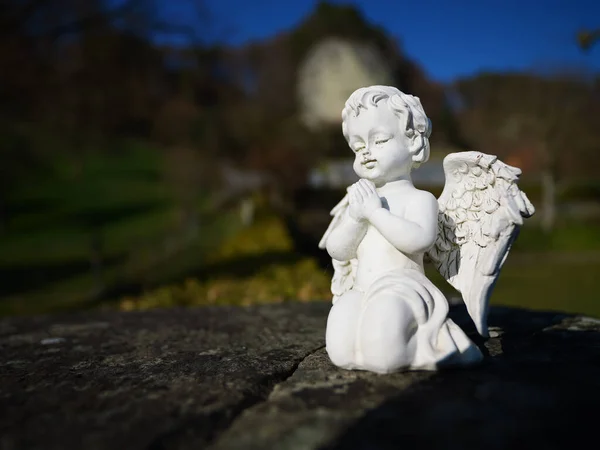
{"points": [[334, 69]]}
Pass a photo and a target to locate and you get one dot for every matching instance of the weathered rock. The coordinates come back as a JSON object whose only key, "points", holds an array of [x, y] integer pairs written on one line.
{"points": [[259, 378], [158, 379]]}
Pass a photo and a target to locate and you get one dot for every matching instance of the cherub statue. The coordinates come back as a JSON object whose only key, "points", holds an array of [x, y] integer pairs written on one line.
{"points": [[386, 314]]}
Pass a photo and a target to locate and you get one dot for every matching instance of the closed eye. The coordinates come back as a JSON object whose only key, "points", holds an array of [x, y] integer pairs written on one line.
{"points": [[381, 141]]}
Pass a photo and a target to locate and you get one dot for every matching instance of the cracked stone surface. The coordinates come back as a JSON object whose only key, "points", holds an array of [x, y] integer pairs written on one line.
{"points": [[259, 378]]}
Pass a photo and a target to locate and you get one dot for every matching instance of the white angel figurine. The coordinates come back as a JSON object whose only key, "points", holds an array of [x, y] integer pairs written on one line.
{"points": [[386, 314]]}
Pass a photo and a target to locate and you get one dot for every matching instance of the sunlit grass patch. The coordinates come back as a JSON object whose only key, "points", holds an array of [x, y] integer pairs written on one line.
{"points": [[256, 265]]}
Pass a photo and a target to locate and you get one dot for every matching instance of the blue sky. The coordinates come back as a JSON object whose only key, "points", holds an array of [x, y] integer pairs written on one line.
{"points": [[448, 38]]}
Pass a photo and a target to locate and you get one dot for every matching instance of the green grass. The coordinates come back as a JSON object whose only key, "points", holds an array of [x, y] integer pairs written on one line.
{"points": [[118, 203], [555, 281], [566, 237], [551, 271], [545, 281]]}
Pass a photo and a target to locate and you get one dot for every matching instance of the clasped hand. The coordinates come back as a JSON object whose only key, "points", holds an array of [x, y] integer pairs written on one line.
{"points": [[364, 200]]}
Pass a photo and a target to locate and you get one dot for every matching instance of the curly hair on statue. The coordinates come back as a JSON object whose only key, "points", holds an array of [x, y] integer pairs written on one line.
{"points": [[406, 107]]}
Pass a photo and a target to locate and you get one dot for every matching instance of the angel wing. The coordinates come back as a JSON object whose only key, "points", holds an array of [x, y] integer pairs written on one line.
{"points": [[480, 212], [344, 272]]}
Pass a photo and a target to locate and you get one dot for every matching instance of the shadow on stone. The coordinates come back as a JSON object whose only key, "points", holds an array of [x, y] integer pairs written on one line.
{"points": [[538, 388]]}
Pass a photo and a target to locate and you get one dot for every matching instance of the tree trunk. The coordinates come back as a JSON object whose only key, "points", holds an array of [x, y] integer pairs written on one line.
{"points": [[3, 216], [97, 263], [247, 211], [548, 200]]}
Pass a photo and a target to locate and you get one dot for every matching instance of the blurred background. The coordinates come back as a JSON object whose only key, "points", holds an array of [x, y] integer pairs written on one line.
{"points": [[178, 152]]}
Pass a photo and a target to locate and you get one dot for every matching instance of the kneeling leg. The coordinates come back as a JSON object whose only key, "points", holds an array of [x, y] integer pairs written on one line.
{"points": [[340, 337], [386, 335]]}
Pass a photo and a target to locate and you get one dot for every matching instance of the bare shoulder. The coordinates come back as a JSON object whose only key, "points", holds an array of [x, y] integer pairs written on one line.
{"points": [[422, 199], [422, 203]]}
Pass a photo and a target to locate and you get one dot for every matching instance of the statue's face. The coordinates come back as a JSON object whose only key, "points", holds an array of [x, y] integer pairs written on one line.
{"points": [[381, 148]]}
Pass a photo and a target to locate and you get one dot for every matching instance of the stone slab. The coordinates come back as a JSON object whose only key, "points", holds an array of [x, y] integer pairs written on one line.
{"points": [[259, 378], [145, 380]]}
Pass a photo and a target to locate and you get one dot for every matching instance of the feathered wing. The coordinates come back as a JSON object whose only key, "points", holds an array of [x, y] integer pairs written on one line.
{"points": [[343, 271], [480, 212]]}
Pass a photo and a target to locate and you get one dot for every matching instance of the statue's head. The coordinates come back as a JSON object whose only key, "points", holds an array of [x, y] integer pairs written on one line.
{"points": [[388, 131]]}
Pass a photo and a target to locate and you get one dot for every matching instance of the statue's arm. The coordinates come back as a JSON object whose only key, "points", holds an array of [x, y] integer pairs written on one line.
{"points": [[414, 233], [345, 238]]}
